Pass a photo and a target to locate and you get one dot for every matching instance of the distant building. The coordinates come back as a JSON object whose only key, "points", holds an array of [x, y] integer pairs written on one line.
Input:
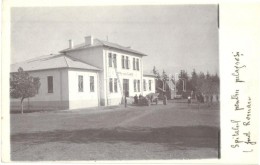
{"points": [[95, 73], [171, 94]]}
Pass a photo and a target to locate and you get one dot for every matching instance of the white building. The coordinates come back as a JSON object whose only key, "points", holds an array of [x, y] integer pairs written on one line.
{"points": [[95, 73]]}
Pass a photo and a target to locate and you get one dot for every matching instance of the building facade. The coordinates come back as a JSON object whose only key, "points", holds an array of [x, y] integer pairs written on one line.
{"points": [[95, 73]]}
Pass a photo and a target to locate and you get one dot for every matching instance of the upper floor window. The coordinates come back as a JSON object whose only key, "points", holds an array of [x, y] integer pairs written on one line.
{"points": [[110, 59], [150, 85], [80, 83], [91, 83], [114, 60], [133, 63], [137, 64], [144, 83], [127, 62], [50, 84], [123, 61]]}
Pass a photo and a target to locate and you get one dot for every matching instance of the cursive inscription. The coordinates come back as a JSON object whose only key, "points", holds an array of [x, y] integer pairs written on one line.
{"points": [[235, 134], [248, 138], [237, 67], [237, 102], [248, 113], [241, 123]]}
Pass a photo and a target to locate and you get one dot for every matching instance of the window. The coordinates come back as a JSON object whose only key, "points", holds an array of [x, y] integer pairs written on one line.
{"points": [[91, 83], [50, 84], [138, 85], [144, 85], [135, 85], [110, 59], [114, 60], [137, 64], [150, 85], [127, 62], [35, 81], [80, 83], [115, 85], [123, 61], [133, 63], [111, 85]]}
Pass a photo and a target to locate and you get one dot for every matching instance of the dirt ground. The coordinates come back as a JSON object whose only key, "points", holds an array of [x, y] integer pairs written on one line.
{"points": [[172, 131]]}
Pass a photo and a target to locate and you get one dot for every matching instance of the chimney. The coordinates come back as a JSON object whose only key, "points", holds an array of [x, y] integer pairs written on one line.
{"points": [[89, 40], [71, 44]]}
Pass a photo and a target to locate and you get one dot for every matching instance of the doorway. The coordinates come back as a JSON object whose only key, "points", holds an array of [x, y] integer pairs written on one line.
{"points": [[126, 87]]}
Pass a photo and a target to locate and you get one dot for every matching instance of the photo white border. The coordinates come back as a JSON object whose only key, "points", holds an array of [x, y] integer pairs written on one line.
{"points": [[230, 38]]}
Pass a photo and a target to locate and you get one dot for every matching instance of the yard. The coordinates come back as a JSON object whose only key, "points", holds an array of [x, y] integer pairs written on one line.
{"points": [[172, 131]]}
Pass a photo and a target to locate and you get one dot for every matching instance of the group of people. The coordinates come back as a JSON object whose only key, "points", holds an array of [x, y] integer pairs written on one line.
{"points": [[200, 98], [136, 98], [141, 100], [205, 98]]}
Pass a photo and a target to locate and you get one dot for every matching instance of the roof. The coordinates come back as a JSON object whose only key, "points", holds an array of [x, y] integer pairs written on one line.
{"points": [[97, 42], [52, 62]]}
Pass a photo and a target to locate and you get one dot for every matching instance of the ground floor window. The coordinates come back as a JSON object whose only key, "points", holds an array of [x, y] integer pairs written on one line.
{"points": [[35, 81], [92, 85], [80, 83], [115, 85], [150, 85], [110, 85], [144, 84], [134, 85], [138, 85], [50, 84]]}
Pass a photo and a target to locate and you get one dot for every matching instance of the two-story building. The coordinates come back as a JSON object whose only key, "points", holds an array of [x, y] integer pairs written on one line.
{"points": [[95, 73]]}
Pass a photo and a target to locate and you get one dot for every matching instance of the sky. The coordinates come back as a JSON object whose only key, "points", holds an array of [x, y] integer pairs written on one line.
{"points": [[174, 37]]}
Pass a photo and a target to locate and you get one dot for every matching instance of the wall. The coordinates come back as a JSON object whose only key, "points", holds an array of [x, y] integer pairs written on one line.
{"points": [[95, 57], [86, 98], [44, 100], [98, 56], [123, 73], [92, 56]]}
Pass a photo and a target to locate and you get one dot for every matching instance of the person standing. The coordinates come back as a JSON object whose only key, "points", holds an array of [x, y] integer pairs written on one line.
{"points": [[135, 99], [126, 94], [189, 99]]}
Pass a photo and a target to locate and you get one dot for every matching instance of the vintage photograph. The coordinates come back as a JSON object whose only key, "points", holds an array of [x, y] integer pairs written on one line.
{"points": [[115, 83]]}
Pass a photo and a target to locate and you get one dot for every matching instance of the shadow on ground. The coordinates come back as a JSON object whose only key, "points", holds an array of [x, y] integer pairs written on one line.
{"points": [[191, 136]]}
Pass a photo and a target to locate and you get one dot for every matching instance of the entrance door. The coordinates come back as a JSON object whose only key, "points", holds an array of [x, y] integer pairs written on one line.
{"points": [[126, 87]]}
